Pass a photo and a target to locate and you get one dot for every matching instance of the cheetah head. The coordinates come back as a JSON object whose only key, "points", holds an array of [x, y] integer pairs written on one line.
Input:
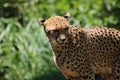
{"points": [[56, 28]]}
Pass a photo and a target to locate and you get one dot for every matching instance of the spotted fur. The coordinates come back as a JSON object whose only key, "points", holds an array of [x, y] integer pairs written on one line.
{"points": [[80, 53]]}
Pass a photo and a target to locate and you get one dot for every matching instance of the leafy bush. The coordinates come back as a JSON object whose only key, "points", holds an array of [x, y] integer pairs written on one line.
{"points": [[24, 52]]}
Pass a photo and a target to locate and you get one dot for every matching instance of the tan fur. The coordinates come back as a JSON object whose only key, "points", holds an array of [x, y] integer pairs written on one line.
{"points": [[80, 53]]}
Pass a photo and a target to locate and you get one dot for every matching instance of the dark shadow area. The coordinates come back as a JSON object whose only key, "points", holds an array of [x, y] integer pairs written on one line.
{"points": [[54, 75], [116, 12], [99, 77]]}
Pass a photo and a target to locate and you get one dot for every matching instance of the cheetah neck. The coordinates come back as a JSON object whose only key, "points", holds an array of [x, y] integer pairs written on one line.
{"points": [[76, 38]]}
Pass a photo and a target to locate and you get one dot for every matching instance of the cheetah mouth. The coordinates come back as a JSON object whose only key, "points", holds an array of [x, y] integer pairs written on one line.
{"points": [[60, 42]]}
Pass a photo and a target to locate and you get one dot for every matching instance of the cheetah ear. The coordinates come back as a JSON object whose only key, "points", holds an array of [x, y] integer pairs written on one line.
{"points": [[67, 16], [41, 21]]}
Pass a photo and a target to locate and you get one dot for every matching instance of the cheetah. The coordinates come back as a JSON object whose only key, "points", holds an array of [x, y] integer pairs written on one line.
{"points": [[80, 53]]}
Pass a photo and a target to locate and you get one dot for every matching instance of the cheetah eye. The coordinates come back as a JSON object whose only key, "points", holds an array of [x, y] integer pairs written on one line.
{"points": [[66, 28], [50, 32], [53, 32]]}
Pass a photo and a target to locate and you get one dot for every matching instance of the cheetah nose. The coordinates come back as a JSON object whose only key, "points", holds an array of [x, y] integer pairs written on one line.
{"points": [[62, 37]]}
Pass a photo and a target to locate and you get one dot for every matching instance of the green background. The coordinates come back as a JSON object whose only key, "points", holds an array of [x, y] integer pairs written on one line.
{"points": [[25, 53]]}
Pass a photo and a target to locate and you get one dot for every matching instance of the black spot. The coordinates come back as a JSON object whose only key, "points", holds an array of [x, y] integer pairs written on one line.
{"points": [[75, 63], [118, 66], [64, 58], [68, 62], [117, 77], [58, 65], [67, 67], [72, 70], [85, 77], [59, 55], [118, 71], [72, 64]]}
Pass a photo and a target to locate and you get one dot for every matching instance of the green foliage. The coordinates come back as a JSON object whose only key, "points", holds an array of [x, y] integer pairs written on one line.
{"points": [[25, 53], [84, 13]]}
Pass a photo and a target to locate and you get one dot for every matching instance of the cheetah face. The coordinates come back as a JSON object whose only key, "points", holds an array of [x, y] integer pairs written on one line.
{"points": [[58, 36], [56, 29]]}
